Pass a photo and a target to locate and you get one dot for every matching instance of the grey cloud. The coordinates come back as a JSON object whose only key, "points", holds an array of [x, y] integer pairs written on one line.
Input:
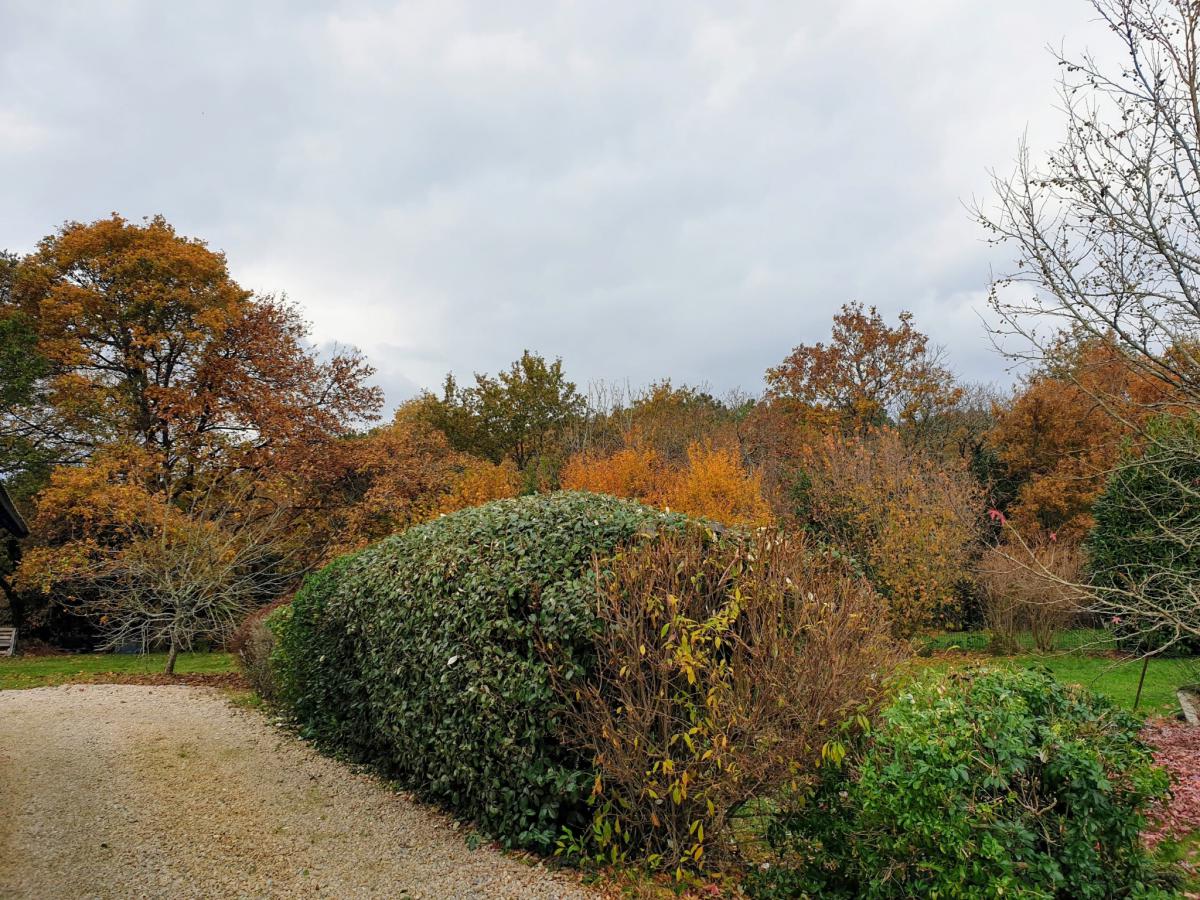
{"points": [[658, 189]]}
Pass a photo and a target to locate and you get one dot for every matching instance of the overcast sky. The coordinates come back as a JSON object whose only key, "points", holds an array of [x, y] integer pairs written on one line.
{"points": [[680, 189]]}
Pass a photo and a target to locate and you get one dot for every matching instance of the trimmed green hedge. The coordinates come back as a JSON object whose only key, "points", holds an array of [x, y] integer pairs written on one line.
{"points": [[431, 655]]}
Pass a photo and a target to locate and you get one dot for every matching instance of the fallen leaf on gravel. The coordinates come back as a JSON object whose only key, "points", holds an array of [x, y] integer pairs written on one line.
{"points": [[1177, 749]]}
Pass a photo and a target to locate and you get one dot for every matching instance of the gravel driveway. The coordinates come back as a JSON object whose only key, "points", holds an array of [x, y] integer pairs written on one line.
{"points": [[135, 791]]}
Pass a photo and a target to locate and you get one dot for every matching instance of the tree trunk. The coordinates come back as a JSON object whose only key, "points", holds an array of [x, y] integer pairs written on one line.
{"points": [[15, 604], [171, 656]]}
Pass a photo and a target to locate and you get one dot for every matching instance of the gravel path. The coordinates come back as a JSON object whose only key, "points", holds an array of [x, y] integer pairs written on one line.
{"points": [[133, 791]]}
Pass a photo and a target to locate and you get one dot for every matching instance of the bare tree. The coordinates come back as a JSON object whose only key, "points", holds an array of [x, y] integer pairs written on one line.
{"points": [[1107, 231], [1018, 598], [607, 411], [1107, 239], [193, 576]]}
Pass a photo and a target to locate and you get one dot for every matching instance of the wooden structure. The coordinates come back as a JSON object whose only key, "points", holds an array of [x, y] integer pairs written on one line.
{"points": [[11, 522], [10, 519]]}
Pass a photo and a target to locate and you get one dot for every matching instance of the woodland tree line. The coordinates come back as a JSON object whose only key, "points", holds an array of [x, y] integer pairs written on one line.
{"points": [[164, 424], [184, 454]]}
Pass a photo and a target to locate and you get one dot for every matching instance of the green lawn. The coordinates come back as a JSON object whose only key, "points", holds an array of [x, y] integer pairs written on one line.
{"points": [[1083, 657], [1118, 679], [41, 671]]}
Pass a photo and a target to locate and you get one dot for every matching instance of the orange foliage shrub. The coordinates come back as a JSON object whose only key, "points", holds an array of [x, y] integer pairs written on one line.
{"points": [[389, 479], [480, 481], [83, 515], [635, 471], [111, 546], [717, 486], [713, 484], [909, 519], [406, 473]]}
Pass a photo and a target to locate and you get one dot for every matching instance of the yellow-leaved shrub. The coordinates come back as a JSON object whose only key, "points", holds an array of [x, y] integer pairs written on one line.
{"points": [[726, 667], [713, 484], [908, 518]]}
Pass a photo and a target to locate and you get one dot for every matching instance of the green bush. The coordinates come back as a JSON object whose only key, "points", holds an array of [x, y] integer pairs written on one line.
{"points": [[435, 652], [983, 783], [315, 662], [1146, 540]]}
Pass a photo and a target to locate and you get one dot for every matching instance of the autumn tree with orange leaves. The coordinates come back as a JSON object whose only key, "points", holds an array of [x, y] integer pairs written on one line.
{"points": [[1061, 434], [869, 374], [163, 378], [402, 474], [147, 339], [386, 480]]}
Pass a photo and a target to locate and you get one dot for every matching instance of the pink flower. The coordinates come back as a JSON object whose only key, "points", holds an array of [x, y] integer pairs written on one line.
{"points": [[996, 516], [1116, 620], [1053, 536]]}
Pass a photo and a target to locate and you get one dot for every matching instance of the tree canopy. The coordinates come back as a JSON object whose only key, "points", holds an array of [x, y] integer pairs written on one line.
{"points": [[869, 373], [133, 364], [520, 414], [147, 339]]}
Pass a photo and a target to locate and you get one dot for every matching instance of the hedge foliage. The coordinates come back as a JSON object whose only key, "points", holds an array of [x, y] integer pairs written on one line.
{"points": [[984, 783], [1146, 540], [431, 654]]}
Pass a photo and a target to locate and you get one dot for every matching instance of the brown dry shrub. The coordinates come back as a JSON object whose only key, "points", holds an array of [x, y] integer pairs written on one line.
{"points": [[725, 668], [1031, 588], [252, 643]]}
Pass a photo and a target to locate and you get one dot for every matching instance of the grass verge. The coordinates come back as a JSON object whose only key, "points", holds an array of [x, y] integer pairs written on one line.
{"points": [[100, 668], [1081, 656]]}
